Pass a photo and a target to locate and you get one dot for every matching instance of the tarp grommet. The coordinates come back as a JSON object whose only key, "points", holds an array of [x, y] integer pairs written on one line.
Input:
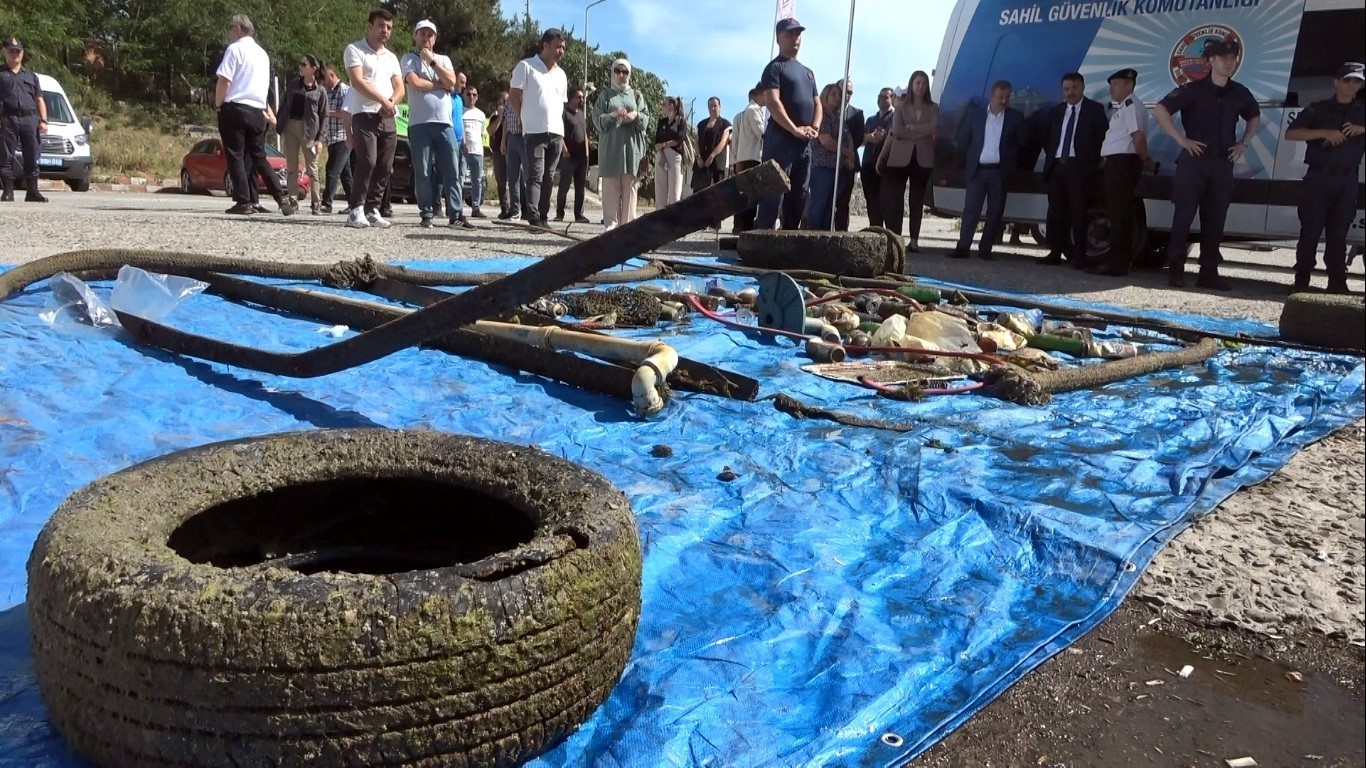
{"points": [[892, 740]]}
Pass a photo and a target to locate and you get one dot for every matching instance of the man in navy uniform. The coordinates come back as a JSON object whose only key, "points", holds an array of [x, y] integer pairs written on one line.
{"points": [[1076, 128], [1328, 199], [23, 116], [1123, 155], [1210, 108], [990, 139]]}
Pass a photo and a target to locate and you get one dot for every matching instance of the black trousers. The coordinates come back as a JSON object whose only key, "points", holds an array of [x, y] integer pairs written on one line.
{"points": [[573, 169], [1327, 205], [20, 132], [872, 194], [1068, 191], [744, 220], [500, 179], [910, 182], [844, 190], [1121, 174], [1203, 184], [542, 158], [243, 130]]}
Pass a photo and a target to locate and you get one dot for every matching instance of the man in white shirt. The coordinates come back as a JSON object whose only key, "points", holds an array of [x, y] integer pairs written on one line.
{"points": [[1123, 155], [240, 100], [539, 91], [430, 79], [474, 120], [748, 131], [376, 90]]}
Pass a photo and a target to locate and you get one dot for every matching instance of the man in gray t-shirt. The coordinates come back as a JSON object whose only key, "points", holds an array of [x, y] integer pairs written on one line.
{"points": [[430, 79]]}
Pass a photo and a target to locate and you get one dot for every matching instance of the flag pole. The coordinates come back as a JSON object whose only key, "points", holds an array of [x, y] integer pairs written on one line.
{"points": [[844, 107]]}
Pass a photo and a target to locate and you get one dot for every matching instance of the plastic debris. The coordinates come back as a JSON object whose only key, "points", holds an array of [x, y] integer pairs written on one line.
{"points": [[1186, 671], [1241, 762]]}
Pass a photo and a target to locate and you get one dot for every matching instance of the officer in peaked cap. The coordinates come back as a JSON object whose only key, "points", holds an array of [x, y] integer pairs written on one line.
{"points": [[1210, 109], [1123, 155], [1333, 129], [23, 115]]}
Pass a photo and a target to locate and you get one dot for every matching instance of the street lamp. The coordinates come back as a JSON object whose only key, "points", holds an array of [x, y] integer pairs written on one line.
{"points": [[586, 52]]}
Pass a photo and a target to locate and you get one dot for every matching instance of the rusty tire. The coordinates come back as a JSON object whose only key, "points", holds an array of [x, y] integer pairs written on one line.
{"points": [[179, 616], [1325, 319]]}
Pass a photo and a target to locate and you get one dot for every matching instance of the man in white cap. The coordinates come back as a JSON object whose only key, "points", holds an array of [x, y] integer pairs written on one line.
{"points": [[1328, 200], [430, 79]]}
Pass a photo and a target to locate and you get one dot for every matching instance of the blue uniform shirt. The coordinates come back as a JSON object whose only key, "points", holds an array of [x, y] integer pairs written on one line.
{"points": [[796, 90], [19, 91], [1210, 114], [458, 119], [1330, 114]]}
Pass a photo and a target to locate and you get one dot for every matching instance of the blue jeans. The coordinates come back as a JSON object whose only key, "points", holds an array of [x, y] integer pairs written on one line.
{"points": [[794, 156], [987, 185], [822, 197], [474, 166], [435, 142], [516, 155]]}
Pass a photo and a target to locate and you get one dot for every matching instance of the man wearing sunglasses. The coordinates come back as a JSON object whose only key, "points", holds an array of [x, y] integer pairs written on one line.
{"points": [[1333, 130]]}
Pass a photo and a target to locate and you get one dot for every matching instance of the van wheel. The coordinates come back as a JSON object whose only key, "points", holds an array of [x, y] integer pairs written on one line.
{"points": [[79, 185], [1098, 241], [334, 597]]}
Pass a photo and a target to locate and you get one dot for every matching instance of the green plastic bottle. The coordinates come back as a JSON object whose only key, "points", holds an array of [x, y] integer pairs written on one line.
{"points": [[921, 294]]}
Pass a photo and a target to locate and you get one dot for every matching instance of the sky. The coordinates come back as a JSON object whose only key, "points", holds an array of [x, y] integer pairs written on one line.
{"points": [[706, 48]]}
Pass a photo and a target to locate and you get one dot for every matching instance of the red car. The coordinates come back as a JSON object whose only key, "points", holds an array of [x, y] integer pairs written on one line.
{"points": [[205, 168]]}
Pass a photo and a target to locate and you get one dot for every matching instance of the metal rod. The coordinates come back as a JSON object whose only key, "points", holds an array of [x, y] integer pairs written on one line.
{"points": [[844, 107], [586, 51]]}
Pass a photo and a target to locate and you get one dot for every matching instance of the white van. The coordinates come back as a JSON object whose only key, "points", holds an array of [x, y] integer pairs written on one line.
{"points": [[66, 145], [1290, 51]]}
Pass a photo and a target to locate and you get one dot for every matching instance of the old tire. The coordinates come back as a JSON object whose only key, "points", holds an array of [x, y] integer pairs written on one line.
{"points": [[1325, 319], [468, 602], [855, 254]]}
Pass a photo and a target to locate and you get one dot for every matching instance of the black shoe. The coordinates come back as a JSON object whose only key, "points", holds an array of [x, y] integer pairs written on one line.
{"points": [[508, 214], [582, 220], [1301, 284], [325, 208], [1052, 259], [1338, 286], [985, 256], [535, 221], [258, 208], [958, 254], [1213, 281], [387, 213], [460, 223], [288, 206], [1176, 277], [559, 216], [7, 196], [426, 222], [34, 196], [242, 209]]}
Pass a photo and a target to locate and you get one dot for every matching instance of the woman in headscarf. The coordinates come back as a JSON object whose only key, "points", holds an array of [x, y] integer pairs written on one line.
{"points": [[671, 145], [302, 122], [622, 120]]}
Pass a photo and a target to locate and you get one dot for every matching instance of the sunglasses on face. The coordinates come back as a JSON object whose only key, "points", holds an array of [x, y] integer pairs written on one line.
{"points": [[620, 71]]}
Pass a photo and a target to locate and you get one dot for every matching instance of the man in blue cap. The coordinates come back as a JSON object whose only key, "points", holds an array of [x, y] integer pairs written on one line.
{"points": [[789, 89], [1333, 129], [23, 116], [1210, 109]]}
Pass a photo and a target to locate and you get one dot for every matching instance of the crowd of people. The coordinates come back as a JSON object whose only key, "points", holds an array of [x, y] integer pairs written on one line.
{"points": [[538, 132]]}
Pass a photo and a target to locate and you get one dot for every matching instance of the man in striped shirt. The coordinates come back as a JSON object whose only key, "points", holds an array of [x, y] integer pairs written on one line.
{"points": [[338, 154], [514, 149]]}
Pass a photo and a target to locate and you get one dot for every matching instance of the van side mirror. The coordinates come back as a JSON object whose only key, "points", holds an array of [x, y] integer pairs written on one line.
{"points": [[86, 125]]}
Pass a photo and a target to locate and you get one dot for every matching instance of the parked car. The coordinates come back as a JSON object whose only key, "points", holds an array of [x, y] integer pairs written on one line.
{"points": [[205, 169], [65, 148]]}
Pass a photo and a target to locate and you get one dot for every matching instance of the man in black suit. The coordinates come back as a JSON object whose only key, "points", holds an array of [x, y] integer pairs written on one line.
{"points": [[991, 138], [1076, 129]]}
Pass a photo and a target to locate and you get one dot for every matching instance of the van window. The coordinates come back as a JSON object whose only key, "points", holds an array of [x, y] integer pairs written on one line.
{"points": [[58, 111], [1321, 49]]}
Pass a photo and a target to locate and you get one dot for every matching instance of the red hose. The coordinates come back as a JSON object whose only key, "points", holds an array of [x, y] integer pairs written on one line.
{"points": [[697, 305]]}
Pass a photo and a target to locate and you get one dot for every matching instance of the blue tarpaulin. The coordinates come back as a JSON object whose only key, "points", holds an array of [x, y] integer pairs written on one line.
{"points": [[852, 589]]}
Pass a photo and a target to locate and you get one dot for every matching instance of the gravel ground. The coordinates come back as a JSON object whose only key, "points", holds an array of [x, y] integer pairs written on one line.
{"points": [[1283, 559]]}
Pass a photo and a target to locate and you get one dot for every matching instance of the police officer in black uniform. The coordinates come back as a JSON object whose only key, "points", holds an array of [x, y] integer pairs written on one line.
{"points": [[1334, 131], [1210, 108], [23, 115]]}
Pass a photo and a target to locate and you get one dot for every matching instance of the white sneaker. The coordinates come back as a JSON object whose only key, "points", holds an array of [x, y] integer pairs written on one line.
{"points": [[376, 220], [357, 219]]}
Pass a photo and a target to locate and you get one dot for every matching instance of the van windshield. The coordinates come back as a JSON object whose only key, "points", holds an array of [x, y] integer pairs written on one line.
{"points": [[58, 111]]}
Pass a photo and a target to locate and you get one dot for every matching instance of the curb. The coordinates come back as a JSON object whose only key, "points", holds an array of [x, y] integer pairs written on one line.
{"points": [[122, 184]]}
